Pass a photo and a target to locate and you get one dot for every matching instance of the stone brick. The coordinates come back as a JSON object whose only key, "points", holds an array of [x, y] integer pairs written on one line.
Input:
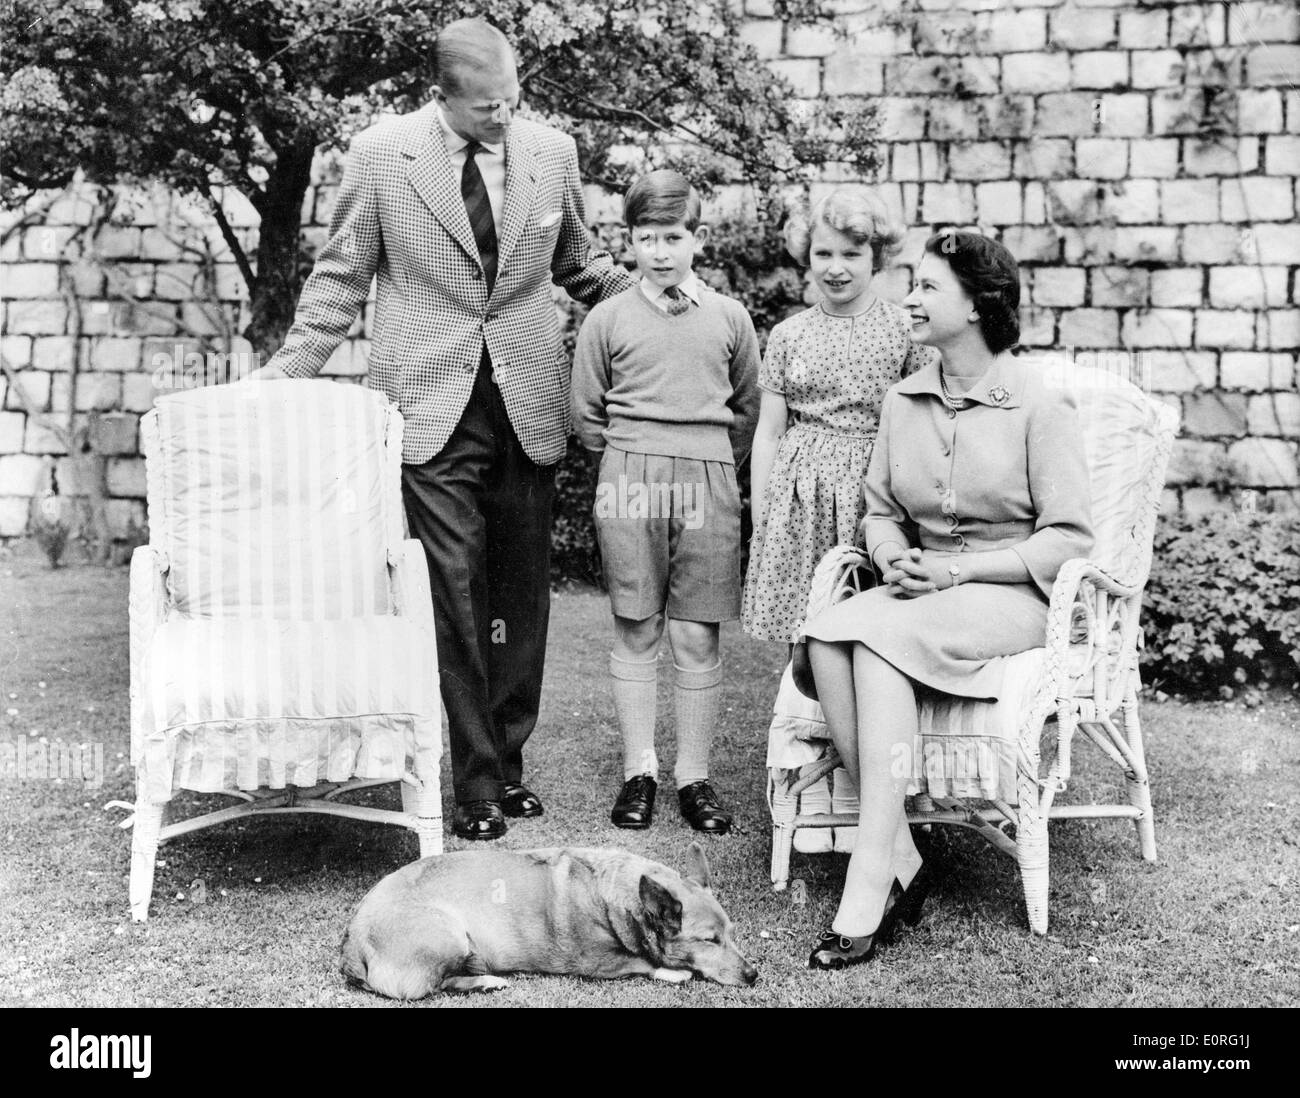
{"points": [[1251, 22], [1035, 204], [11, 432], [948, 203], [87, 279], [1271, 244], [1269, 414], [1008, 115], [13, 517], [979, 160], [1090, 328], [35, 385], [1192, 461], [1069, 114], [1035, 72], [1282, 155], [810, 41], [1011, 31], [1211, 244], [1226, 156], [115, 433], [1133, 201], [951, 31], [1033, 244], [35, 317], [178, 282], [1102, 157], [1155, 158], [17, 350], [1082, 29], [1102, 69], [122, 355], [1179, 371], [1259, 110], [1272, 65], [1205, 501], [1177, 111], [851, 71], [954, 120], [1266, 462], [41, 438], [22, 475], [54, 353], [138, 392], [1123, 115], [998, 203], [118, 242], [1037, 327], [902, 119], [1089, 245], [125, 477], [1214, 414], [1197, 25], [29, 280], [1157, 328], [1120, 286], [1256, 198], [1177, 286], [1155, 68], [766, 37], [1247, 287], [126, 517], [1047, 159], [1141, 30], [934, 162], [61, 393], [1073, 201], [157, 244], [1256, 371], [1279, 329], [230, 285], [1059, 286], [1183, 201], [71, 208], [45, 242], [99, 392], [1225, 328], [905, 162], [146, 318], [978, 76]]}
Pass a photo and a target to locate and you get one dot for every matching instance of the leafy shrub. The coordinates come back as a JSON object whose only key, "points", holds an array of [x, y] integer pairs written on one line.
{"points": [[1222, 607]]}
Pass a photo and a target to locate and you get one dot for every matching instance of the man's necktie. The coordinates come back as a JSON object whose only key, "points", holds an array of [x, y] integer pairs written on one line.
{"points": [[474, 192], [678, 302]]}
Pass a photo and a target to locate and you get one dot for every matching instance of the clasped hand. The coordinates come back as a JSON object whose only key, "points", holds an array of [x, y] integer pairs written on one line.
{"points": [[915, 572]]}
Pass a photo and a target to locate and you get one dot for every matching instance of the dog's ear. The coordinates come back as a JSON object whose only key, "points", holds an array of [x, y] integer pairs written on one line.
{"points": [[663, 911], [697, 866]]}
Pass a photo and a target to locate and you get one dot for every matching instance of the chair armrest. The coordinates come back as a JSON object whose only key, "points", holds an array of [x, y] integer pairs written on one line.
{"points": [[147, 609]]}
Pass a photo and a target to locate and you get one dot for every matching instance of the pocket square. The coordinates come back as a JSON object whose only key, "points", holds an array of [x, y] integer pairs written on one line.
{"points": [[549, 220]]}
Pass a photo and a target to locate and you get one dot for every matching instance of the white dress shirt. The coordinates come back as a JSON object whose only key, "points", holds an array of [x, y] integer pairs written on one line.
{"points": [[689, 286], [491, 166]]}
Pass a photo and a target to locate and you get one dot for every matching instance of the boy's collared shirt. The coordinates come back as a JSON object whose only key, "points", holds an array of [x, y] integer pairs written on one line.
{"points": [[491, 166], [689, 286]]}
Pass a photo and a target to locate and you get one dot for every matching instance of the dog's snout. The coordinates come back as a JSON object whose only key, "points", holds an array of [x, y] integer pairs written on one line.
{"points": [[749, 973]]}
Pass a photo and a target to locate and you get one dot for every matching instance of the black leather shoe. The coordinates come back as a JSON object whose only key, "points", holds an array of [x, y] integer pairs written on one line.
{"points": [[702, 809], [834, 950], [635, 807], [912, 899], [479, 820], [520, 801]]}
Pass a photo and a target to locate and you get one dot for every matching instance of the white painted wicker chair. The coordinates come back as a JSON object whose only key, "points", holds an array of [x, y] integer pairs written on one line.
{"points": [[282, 636], [980, 765]]}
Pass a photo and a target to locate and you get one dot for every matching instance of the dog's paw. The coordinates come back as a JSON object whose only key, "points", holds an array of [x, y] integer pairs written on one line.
{"points": [[475, 983], [671, 975]]}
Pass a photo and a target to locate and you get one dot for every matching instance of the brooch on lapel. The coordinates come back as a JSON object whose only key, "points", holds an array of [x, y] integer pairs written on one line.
{"points": [[999, 395]]}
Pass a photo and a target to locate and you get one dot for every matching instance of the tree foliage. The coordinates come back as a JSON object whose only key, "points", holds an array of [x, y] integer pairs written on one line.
{"points": [[207, 94]]}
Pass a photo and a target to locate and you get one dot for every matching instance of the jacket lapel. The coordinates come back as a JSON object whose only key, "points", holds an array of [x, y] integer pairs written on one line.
{"points": [[521, 188], [430, 173]]}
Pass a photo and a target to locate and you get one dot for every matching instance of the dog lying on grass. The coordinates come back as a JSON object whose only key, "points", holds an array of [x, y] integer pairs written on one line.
{"points": [[453, 922]]}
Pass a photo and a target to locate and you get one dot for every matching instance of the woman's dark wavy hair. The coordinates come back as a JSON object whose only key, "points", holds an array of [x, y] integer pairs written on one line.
{"points": [[991, 278]]}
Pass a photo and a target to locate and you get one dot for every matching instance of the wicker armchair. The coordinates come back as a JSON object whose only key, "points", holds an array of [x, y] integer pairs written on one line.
{"points": [[989, 766], [282, 639]]}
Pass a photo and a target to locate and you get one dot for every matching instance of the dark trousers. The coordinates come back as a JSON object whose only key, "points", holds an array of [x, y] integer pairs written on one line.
{"points": [[482, 509]]}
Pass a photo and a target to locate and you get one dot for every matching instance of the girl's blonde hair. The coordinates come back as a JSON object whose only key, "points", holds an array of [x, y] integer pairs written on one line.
{"points": [[857, 212]]}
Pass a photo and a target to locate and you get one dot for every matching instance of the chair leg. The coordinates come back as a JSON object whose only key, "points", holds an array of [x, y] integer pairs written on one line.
{"points": [[1139, 787], [144, 855], [425, 804], [1032, 853], [784, 808]]}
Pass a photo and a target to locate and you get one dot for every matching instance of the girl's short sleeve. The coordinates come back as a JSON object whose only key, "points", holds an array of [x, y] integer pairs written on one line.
{"points": [[771, 375]]}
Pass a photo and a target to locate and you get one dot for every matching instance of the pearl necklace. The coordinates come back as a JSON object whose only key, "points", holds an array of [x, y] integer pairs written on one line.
{"points": [[955, 403]]}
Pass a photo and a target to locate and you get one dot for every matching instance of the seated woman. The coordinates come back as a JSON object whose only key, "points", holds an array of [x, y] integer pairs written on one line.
{"points": [[977, 493]]}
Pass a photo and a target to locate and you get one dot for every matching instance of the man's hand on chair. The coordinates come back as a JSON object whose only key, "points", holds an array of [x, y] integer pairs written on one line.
{"points": [[266, 373]]}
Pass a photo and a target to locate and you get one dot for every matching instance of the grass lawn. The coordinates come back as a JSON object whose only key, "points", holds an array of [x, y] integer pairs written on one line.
{"points": [[1215, 923]]}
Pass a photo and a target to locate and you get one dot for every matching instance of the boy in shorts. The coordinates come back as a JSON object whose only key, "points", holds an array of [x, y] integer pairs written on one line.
{"points": [[664, 387]]}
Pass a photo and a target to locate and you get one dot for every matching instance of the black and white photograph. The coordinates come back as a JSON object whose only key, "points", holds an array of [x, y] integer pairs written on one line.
{"points": [[659, 504]]}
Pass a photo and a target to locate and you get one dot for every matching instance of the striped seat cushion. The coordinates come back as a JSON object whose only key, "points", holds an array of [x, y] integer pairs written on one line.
{"points": [[268, 500], [242, 704]]}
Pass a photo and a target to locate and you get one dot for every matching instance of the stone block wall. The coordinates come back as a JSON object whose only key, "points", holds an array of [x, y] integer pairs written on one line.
{"points": [[1140, 159]]}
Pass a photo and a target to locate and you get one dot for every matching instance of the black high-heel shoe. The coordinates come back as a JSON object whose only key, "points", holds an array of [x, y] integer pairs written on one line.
{"points": [[834, 950], [912, 899]]}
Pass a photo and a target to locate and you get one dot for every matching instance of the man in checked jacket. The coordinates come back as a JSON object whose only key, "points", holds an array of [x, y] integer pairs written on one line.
{"points": [[466, 216]]}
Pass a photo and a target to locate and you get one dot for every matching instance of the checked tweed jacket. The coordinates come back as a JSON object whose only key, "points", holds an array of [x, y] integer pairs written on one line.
{"points": [[400, 216]]}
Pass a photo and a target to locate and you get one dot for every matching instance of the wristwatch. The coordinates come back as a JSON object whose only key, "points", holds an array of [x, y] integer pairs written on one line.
{"points": [[955, 572]]}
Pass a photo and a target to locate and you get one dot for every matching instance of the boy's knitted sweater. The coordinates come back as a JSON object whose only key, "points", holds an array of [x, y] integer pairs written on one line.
{"points": [[680, 386]]}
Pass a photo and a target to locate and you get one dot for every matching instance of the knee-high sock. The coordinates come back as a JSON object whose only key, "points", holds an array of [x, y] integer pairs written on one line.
{"points": [[634, 684], [844, 798], [696, 695]]}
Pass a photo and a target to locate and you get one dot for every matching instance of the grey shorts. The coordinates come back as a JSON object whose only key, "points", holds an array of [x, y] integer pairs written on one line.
{"points": [[669, 533]]}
